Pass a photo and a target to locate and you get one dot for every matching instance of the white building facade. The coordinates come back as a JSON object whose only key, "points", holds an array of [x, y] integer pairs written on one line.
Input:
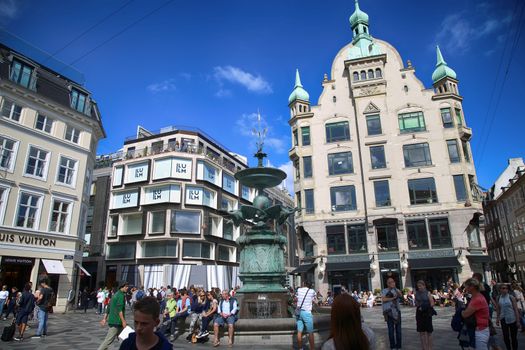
{"points": [[384, 173]]}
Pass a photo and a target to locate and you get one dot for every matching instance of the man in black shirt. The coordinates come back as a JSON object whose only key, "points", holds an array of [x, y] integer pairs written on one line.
{"points": [[43, 302], [25, 308]]}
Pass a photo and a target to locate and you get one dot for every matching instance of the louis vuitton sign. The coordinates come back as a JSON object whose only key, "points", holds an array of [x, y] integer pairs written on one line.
{"points": [[27, 240]]}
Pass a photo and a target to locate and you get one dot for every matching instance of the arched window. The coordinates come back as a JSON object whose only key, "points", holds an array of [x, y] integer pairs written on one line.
{"points": [[300, 108], [440, 90], [378, 73], [356, 76], [370, 74], [445, 87], [363, 75]]}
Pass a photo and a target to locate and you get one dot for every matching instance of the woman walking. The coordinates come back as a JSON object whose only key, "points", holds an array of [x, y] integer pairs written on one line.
{"points": [[479, 308], [424, 312], [508, 315]]}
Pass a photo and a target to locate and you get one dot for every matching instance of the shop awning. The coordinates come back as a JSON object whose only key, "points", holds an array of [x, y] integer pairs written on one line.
{"points": [[54, 267], [478, 258], [345, 266], [433, 263], [83, 270], [303, 268]]}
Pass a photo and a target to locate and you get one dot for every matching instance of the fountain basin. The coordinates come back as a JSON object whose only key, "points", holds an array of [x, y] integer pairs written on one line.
{"points": [[260, 177]]}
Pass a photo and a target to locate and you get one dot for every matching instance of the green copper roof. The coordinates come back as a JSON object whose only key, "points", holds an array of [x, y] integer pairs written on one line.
{"points": [[298, 92], [442, 70], [358, 15]]}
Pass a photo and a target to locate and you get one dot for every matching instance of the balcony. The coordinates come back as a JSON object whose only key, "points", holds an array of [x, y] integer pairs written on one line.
{"points": [[464, 133]]}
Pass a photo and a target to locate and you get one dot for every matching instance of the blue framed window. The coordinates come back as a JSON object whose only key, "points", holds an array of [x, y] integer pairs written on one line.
{"points": [[336, 132], [78, 100], [21, 73]]}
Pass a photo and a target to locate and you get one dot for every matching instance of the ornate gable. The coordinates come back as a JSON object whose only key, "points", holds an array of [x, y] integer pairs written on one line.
{"points": [[371, 108]]}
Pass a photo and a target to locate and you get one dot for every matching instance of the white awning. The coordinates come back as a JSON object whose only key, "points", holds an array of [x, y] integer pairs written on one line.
{"points": [[83, 270], [54, 267]]}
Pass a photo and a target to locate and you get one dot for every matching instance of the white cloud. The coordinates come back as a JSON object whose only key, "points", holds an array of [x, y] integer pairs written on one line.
{"points": [[8, 9], [288, 182], [247, 124], [223, 93], [253, 83], [186, 75], [163, 86]]}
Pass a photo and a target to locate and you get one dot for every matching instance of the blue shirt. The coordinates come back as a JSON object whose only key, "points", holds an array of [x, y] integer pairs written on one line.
{"points": [[226, 307], [188, 305]]}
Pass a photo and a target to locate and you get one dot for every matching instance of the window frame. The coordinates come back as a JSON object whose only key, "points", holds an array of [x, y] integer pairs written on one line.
{"points": [[14, 152], [193, 212], [123, 224], [372, 150], [332, 157], [339, 241], [372, 117], [346, 132], [425, 148], [75, 100], [164, 242], [417, 236], [309, 209], [12, 110], [74, 169], [388, 239], [388, 200], [447, 122], [46, 163], [150, 222], [403, 117], [48, 122], [456, 159], [231, 253], [126, 245], [187, 241], [4, 197], [359, 238], [415, 200], [69, 213], [457, 190], [305, 136], [347, 207], [23, 66], [309, 174], [74, 137], [38, 211], [434, 221]]}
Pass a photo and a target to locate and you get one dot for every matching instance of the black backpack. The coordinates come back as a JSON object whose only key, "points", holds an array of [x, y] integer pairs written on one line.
{"points": [[9, 332]]}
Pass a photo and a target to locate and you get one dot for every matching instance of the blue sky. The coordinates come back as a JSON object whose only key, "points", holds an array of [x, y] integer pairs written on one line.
{"points": [[213, 64]]}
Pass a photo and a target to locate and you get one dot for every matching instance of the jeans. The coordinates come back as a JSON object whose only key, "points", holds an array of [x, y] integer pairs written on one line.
{"points": [[205, 322], [112, 334], [394, 332], [2, 303], [510, 334], [174, 329], [100, 307], [482, 338], [42, 322]]}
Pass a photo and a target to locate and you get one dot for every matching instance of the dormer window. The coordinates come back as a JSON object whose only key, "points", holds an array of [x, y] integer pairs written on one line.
{"points": [[78, 100], [21, 73]]}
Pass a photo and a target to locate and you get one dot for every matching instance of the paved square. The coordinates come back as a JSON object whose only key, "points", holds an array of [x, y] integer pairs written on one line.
{"points": [[81, 331]]}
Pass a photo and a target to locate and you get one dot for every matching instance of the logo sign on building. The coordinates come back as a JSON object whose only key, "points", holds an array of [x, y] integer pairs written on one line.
{"points": [[17, 260], [171, 167], [137, 172], [194, 195], [208, 173], [126, 199], [161, 194]]}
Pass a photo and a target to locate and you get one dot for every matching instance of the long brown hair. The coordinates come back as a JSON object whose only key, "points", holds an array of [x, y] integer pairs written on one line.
{"points": [[345, 327]]}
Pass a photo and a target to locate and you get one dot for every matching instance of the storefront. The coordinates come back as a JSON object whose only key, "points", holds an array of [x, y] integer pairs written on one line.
{"points": [[436, 272], [349, 275], [29, 256]]}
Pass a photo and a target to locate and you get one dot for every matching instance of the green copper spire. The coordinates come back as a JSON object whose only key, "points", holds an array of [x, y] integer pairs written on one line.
{"points": [[442, 69], [298, 92], [358, 16], [363, 43]]}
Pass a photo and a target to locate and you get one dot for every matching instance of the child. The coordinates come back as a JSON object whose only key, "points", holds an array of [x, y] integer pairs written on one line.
{"points": [[146, 317]]}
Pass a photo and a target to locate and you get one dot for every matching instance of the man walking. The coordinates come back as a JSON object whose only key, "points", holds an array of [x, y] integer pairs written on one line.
{"points": [[304, 319], [115, 316], [390, 298], [43, 301]]}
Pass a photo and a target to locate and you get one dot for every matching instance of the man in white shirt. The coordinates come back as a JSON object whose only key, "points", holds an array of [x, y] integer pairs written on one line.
{"points": [[101, 296], [305, 298], [226, 315], [4, 293]]}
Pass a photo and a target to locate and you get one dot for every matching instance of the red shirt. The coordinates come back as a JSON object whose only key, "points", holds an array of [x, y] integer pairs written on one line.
{"points": [[479, 304]]}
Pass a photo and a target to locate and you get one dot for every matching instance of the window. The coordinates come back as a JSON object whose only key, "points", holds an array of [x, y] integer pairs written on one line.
{"points": [[446, 117], [295, 138], [229, 183], [308, 246], [336, 132], [382, 193], [459, 120], [228, 204], [157, 221], [37, 162], [113, 226], [72, 134], [121, 251], [66, 171], [386, 237], [370, 74], [343, 198], [363, 73], [11, 110], [411, 122], [473, 237], [196, 250], [459, 185], [185, 221], [422, 191], [298, 199], [440, 233], [417, 154], [59, 216], [466, 154], [453, 151], [224, 253], [335, 239], [417, 235], [297, 169], [309, 201], [28, 210], [21, 73], [356, 239], [78, 100], [373, 124], [227, 229], [305, 135], [44, 123], [154, 249], [212, 225], [378, 73], [340, 163], [377, 157], [307, 167], [7, 153], [132, 224], [356, 76]]}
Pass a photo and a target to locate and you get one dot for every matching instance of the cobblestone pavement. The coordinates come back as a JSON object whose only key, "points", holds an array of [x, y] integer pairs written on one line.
{"points": [[80, 331]]}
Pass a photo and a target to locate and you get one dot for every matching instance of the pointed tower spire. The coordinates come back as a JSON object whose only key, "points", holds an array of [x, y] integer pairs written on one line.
{"points": [[298, 93], [297, 79], [442, 69]]}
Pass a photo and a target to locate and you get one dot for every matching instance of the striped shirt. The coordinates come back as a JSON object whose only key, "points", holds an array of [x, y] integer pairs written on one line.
{"points": [[308, 298]]}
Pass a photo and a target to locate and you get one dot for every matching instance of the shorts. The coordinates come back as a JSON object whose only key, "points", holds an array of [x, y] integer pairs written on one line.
{"points": [[22, 317], [305, 320], [221, 321]]}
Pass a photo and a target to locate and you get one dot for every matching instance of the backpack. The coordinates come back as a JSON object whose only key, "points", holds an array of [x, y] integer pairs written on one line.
{"points": [[231, 307], [50, 302], [9, 332], [140, 295], [457, 321]]}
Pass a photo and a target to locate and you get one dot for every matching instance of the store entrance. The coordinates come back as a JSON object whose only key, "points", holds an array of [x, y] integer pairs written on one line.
{"points": [[15, 271], [390, 270]]}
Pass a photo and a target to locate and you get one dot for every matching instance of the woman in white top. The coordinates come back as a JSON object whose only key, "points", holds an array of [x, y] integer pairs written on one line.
{"points": [[507, 311]]}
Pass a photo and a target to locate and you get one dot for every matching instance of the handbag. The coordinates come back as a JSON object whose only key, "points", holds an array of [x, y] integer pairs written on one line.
{"points": [[297, 311]]}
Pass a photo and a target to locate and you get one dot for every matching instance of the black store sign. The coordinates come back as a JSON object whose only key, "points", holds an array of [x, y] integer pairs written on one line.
{"points": [[13, 260]]}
